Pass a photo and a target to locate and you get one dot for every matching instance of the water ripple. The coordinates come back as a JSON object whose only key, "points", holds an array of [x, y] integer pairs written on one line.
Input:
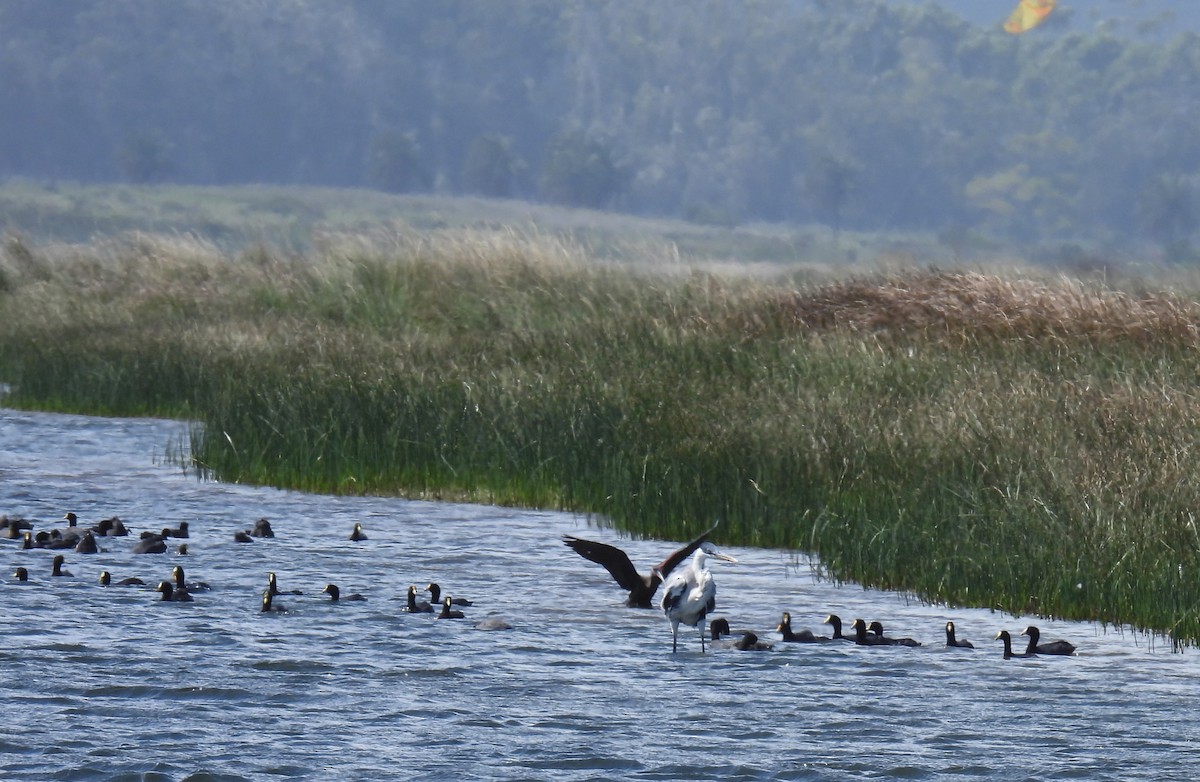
{"points": [[111, 684]]}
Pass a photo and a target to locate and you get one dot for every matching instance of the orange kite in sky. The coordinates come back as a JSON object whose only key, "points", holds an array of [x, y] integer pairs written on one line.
{"points": [[1029, 14]]}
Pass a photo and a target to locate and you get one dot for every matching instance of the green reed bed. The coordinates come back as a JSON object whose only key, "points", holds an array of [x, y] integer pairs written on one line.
{"points": [[969, 438]]}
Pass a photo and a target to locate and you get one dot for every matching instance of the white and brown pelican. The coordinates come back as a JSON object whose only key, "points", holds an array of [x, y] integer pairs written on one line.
{"points": [[692, 593], [616, 562]]}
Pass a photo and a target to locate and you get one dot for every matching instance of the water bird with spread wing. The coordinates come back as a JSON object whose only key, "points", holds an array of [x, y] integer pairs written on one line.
{"points": [[616, 562]]}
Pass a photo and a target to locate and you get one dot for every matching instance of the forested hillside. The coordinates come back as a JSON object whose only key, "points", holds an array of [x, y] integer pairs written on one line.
{"points": [[864, 114]]}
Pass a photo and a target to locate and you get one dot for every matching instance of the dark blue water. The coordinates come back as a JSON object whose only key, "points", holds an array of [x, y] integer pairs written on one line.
{"points": [[111, 684]]}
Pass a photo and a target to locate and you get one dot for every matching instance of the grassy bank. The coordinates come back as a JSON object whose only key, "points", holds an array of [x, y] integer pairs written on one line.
{"points": [[982, 439]]}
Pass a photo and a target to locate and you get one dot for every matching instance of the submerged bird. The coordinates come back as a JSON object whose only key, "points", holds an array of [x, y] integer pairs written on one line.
{"points": [[802, 637], [358, 533], [435, 596], [952, 641], [335, 594], [692, 593], [1008, 652], [492, 623], [448, 612], [417, 606], [616, 562], [877, 629], [169, 595], [1053, 647]]}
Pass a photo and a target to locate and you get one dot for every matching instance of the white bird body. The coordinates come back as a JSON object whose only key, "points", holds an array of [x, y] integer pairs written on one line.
{"points": [[691, 594]]}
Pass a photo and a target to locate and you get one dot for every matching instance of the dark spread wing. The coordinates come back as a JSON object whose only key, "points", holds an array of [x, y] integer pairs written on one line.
{"points": [[667, 565], [614, 560]]}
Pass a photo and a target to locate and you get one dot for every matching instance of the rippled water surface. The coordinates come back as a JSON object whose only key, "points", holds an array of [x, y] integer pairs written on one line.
{"points": [[103, 684]]}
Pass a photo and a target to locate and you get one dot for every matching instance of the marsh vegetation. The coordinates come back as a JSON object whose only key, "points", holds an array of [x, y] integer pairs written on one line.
{"points": [[1008, 439]]}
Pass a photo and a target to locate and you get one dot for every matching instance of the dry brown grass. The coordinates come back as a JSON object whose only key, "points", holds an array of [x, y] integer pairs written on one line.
{"points": [[970, 306]]}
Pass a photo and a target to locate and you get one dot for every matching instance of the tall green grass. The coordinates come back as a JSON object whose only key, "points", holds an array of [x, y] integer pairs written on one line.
{"points": [[988, 440]]}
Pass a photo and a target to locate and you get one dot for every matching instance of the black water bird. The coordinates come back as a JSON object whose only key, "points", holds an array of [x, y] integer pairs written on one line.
{"points": [[179, 532], [58, 566], [747, 642], [262, 529], [358, 533], [150, 543], [87, 544], [21, 574], [448, 612], [335, 594], [170, 595], [835, 621], [1008, 652], [178, 576], [268, 604], [616, 562], [14, 528], [64, 538], [691, 594], [417, 606], [73, 529], [877, 629], [435, 596], [242, 536], [273, 587], [951, 640], [1052, 647], [803, 637], [106, 580], [111, 528], [863, 638]]}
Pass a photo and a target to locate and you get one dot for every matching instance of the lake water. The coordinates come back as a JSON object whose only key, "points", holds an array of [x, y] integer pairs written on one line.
{"points": [[111, 684]]}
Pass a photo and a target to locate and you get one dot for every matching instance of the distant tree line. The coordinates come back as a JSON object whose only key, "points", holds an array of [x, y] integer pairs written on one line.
{"points": [[860, 114]]}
